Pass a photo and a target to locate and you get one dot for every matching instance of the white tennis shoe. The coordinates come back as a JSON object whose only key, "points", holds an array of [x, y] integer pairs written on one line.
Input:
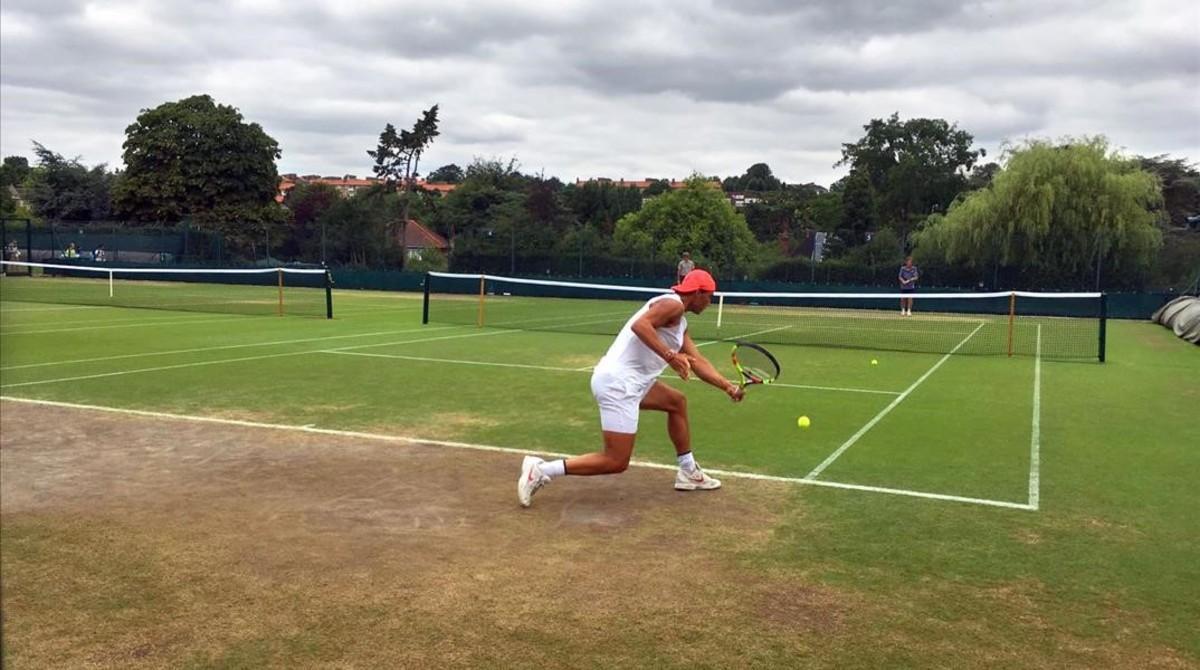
{"points": [[695, 480], [531, 479]]}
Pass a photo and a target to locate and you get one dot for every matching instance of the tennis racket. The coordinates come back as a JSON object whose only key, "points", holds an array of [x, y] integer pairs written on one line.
{"points": [[755, 364]]}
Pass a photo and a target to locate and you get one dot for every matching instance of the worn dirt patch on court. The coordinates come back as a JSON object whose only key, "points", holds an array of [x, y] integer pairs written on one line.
{"points": [[145, 542]]}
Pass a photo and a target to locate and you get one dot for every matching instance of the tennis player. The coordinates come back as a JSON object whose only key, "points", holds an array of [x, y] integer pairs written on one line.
{"points": [[626, 381]]}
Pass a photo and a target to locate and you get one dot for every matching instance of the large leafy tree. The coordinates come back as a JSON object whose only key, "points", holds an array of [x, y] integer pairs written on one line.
{"points": [[1180, 186], [12, 174], [64, 189], [199, 160], [858, 209], [599, 204], [398, 157], [447, 174], [354, 226], [482, 214], [1055, 215], [306, 203], [757, 178], [696, 218], [915, 166]]}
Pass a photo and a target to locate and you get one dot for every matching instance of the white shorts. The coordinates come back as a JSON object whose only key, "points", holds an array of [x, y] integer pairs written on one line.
{"points": [[618, 398]]}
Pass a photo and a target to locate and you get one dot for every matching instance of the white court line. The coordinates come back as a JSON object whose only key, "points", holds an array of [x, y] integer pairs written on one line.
{"points": [[454, 361], [509, 450], [56, 308], [140, 324], [899, 399], [831, 388], [550, 368], [1035, 439], [232, 360], [386, 344], [450, 360], [217, 348]]}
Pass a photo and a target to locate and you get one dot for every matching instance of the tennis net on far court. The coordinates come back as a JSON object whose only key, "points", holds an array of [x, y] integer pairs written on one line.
{"points": [[1071, 325], [259, 291]]}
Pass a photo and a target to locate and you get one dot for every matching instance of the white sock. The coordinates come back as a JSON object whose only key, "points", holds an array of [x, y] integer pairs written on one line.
{"points": [[687, 461], [554, 469]]}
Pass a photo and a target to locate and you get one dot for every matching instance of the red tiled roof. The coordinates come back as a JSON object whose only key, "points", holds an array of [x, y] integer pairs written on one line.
{"points": [[417, 236], [349, 184], [642, 184]]}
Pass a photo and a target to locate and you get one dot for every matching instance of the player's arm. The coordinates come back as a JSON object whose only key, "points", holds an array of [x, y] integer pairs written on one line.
{"points": [[646, 328], [706, 371]]}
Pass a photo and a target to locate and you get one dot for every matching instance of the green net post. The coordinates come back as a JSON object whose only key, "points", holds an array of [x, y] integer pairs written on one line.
{"points": [[328, 294], [1103, 323], [425, 304]]}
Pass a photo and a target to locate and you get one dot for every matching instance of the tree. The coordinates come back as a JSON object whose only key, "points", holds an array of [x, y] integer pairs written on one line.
{"points": [[65, 189], [1055, 215], [601, 203], [195, 159], [398, 156], [484, 207], [982, 176], [858, 209], [657, 187], [447, 174], [354, 226], [13, 174], [307, 202], [696, 218], [916, 167], [757, 178], [1180, 186]]}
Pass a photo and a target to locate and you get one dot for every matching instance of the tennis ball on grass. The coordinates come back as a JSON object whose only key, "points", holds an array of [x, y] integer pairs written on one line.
{"points": [[803, 422], [874, 362]]}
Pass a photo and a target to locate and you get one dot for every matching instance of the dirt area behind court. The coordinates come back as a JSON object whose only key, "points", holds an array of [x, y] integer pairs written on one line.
{"points": [[134, 542]]}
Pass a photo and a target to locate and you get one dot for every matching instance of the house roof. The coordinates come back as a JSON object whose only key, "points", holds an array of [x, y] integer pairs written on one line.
{"points": [[642, 184], [348, 183], [417, 236]]}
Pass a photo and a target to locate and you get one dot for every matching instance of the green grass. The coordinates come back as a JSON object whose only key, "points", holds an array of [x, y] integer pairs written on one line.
{"points": [[1114, 539]]}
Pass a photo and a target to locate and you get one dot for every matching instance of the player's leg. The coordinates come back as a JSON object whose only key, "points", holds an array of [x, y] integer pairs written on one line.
{"points": [[664, 398], [618, 449]]}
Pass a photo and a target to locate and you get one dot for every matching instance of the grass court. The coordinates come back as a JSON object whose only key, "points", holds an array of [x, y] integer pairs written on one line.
{"points": [[208, 489]]}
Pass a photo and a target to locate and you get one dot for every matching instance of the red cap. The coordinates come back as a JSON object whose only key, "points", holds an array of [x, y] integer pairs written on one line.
{"points": [[696, 280]]}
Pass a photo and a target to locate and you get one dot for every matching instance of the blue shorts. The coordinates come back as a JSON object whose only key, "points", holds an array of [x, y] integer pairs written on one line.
{"points": [[910, 289]]}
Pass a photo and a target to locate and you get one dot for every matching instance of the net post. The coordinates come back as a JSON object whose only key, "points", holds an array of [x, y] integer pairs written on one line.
{"points": [[425, 303], [1012, 313], [279, 271], [328, 294], [1103, 323], [29, 244], [720, 310], [479, 321], [110, 283]]}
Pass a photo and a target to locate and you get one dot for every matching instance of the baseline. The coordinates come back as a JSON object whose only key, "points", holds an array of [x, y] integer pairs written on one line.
{"points": [[509, 450]]}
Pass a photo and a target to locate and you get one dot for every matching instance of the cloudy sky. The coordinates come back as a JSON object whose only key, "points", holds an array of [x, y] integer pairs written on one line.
{"points": [[616, 88]]}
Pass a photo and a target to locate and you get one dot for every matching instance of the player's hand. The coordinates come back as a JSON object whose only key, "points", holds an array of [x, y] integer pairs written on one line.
{"points": [[682, 365], [735, 392]]}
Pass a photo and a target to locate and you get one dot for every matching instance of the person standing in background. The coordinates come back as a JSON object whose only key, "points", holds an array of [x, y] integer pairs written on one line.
{"points": [[685, 266]]}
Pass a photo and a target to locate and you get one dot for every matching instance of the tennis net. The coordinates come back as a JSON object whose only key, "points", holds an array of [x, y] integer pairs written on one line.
{"points": [[1059, 325], [260, 291]]}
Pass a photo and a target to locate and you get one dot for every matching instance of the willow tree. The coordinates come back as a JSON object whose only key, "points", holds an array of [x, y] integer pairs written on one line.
{"points": [[1056, 213]]}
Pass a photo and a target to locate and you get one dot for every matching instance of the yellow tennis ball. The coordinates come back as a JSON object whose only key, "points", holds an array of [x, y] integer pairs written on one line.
{"points": [[803, 422], [874, 362]]}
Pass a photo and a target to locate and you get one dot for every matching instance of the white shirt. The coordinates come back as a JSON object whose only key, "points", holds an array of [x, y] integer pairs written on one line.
{"points": [[630, 358]]}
